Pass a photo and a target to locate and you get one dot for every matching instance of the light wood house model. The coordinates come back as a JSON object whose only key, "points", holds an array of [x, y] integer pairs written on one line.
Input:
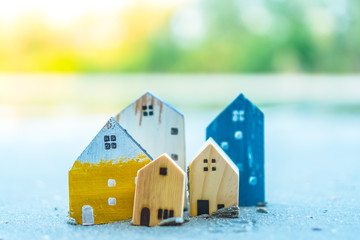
{"points": [[213, 180], [159, 192]]}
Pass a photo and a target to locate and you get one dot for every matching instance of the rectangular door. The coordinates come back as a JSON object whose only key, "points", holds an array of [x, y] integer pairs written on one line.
{"points": [[202, 207]]}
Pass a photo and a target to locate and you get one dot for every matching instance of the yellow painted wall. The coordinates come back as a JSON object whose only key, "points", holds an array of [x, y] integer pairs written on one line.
{"points": [[88, 185]]}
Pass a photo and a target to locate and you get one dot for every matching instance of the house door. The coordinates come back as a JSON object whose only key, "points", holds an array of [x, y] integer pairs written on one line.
{"points": [[145, 217], [202, 207], [87, 215]]}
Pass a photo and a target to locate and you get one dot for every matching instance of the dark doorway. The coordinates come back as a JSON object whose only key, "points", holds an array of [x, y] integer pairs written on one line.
{"points": [[145, 217], [202, 207]]}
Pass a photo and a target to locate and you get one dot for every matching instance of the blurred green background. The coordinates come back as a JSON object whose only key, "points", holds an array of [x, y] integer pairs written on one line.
{"points": [[180, 36]]}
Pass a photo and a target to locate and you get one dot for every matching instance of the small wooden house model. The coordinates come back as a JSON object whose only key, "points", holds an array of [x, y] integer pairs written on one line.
{"points": [[213, 180], [159, 192], [102, 179], [239, 130], [157, 126]]}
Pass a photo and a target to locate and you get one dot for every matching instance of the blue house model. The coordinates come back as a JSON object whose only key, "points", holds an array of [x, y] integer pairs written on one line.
{"points": [[239, 130]]}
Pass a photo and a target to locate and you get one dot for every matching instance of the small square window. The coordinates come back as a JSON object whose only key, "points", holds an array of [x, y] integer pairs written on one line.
{"points": [[213, 160], [163, 171], [151, 113], [112, 201], [107, 146], [174, 156], [145, 114], [111, 183], [160, 213], [106, 138], [150, 107], [205, 160], [113, 145], [213, 168], [225, 145], [166, 214], [220, 206], [144, 107], [205, 169], [113, 138], [171, 213], [174, 131]]}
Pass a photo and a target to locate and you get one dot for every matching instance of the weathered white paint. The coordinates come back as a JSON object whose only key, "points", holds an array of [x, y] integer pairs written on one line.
{"points": [[126, 147], [160, 130], [87, 215]]}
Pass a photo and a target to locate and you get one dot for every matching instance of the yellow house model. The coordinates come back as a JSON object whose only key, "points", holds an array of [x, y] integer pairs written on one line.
{"points": [[102, 179], [213, 180], [159, 192]]}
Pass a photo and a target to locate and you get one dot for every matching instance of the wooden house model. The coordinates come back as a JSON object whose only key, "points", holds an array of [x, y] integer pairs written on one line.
{"points": [[159, 192], [157, 126], [213, 180], [239, 130], [102, 179]]}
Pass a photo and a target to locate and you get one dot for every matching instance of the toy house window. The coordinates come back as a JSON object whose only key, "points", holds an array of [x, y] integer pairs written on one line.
{"points": [[163, 171], [166, 212], [225, 145], [160, 213], [174, 157], [238, 115], [171, 213], [213, 160], [206, 169], [147, 110], [110, 142], [220, 206], [213, 168], [112, 201], [238, 135], [205, 160], [111, 183], [174, 131]]}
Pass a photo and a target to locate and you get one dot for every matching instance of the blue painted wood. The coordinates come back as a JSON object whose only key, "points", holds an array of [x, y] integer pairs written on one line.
{"points": [[239, 130]]}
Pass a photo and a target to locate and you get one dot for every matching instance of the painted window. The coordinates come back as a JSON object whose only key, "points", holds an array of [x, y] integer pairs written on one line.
{"points": [[174, 156], [225, 145], [111, 183], [238, 135], [163, 171], [160, 213], [206, 169], [166, 212], [112, 201], [220, 206], [213, 168], [147, 110], [205, 160], [213, 160], [110, 142], [171, 213], [238, 115], [174, 131]]}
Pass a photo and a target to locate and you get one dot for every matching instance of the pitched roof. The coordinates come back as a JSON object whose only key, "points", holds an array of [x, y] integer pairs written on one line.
{"points": [[211, 142], [126, 149], [161, 156], [157, 98], [239, 98]]}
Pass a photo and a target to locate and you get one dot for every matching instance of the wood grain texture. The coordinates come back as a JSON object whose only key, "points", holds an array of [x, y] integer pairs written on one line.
{"points": [[102, 179], [213, 180], [160, 189], [157, 126], [239, 130]]}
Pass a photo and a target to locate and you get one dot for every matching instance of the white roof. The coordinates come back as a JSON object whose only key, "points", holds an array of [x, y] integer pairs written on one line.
{"points": [[126, 147]]}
